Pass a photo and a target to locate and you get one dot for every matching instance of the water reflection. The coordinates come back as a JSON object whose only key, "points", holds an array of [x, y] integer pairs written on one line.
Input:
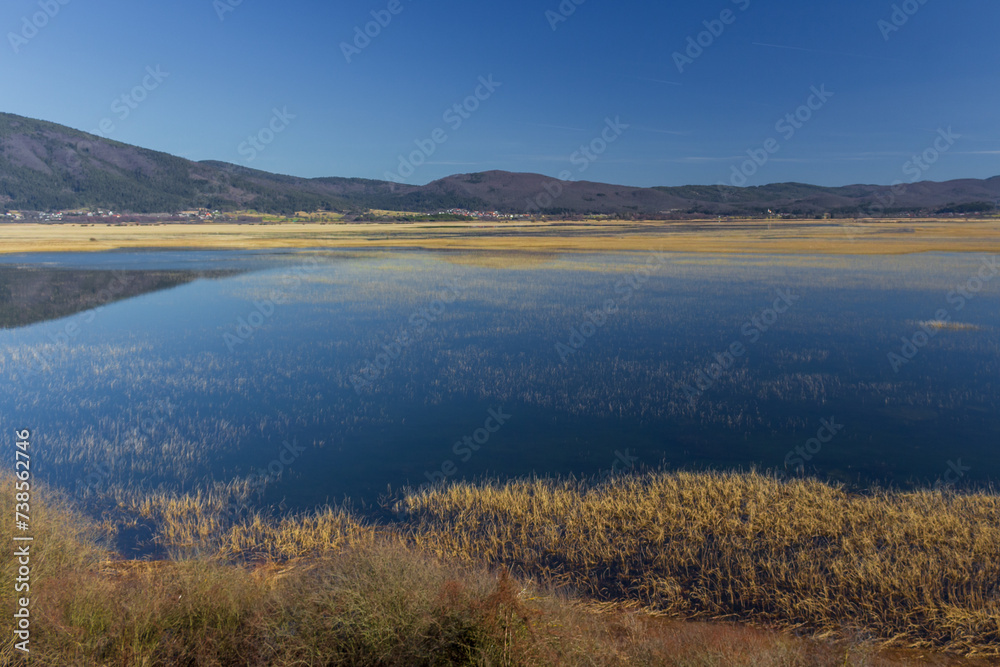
{"points": [[694, 361]]}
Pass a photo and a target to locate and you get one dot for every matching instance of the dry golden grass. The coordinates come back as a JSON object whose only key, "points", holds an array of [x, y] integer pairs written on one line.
{"points": [[338, 591], [861, 237], [908, 569], [278, 539], [216, 524], [915, 569]]}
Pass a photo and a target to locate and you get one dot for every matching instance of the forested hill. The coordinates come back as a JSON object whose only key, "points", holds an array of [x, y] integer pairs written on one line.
{"points": [[48, 167]]}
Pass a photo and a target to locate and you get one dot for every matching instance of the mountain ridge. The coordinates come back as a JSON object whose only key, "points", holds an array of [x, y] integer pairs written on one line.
{"points": [[45, 166]]}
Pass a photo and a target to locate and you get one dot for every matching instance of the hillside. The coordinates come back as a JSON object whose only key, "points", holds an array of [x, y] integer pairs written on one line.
{"points": [[47, 167]]}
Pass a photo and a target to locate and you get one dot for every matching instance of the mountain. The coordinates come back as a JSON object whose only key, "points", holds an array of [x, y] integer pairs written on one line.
{"points": [[46, 167]]}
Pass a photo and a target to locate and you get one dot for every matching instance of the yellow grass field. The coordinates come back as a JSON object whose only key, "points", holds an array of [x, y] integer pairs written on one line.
{"points": [[855, 237]]}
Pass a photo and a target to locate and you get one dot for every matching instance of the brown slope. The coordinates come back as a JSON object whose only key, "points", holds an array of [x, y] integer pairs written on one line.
{"points": [[45, 166], [525, 192]]}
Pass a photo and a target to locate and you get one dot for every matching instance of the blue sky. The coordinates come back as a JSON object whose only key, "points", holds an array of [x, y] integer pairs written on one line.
{"points": [[225, 67]]}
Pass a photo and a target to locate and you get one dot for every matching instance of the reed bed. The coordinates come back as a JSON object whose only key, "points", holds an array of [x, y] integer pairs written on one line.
{"points": [[376, 601], [848, 237], [915, 569]]}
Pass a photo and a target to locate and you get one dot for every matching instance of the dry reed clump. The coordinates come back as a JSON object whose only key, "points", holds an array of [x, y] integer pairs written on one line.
{"points": [[320, 533], [219, 524], [173, 523], [918, 569]]}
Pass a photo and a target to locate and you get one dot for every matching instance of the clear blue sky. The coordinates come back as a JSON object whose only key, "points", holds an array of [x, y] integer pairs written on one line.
{"points": [[940, 69]]}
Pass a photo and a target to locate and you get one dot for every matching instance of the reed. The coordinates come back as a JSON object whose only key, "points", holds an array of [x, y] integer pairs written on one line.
{"points": [[849, 237], [917, 569], [588, 562]]}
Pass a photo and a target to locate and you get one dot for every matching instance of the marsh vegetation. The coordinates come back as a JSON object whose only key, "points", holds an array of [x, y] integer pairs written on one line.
{"points": [[328, 587]]}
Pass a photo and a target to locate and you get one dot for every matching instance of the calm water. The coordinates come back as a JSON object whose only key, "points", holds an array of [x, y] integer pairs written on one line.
{"points": [[333, 375]]}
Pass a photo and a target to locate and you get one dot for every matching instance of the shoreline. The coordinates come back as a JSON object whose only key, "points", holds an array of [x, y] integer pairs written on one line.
{"points": [[695, 550], [798, 237]]}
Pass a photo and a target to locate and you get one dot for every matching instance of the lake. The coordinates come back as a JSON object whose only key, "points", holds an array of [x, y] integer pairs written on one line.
{"points": [[321, 376]]}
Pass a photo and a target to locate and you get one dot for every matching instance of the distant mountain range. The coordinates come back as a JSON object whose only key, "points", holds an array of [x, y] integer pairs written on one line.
{"points": [[48, 167]]}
